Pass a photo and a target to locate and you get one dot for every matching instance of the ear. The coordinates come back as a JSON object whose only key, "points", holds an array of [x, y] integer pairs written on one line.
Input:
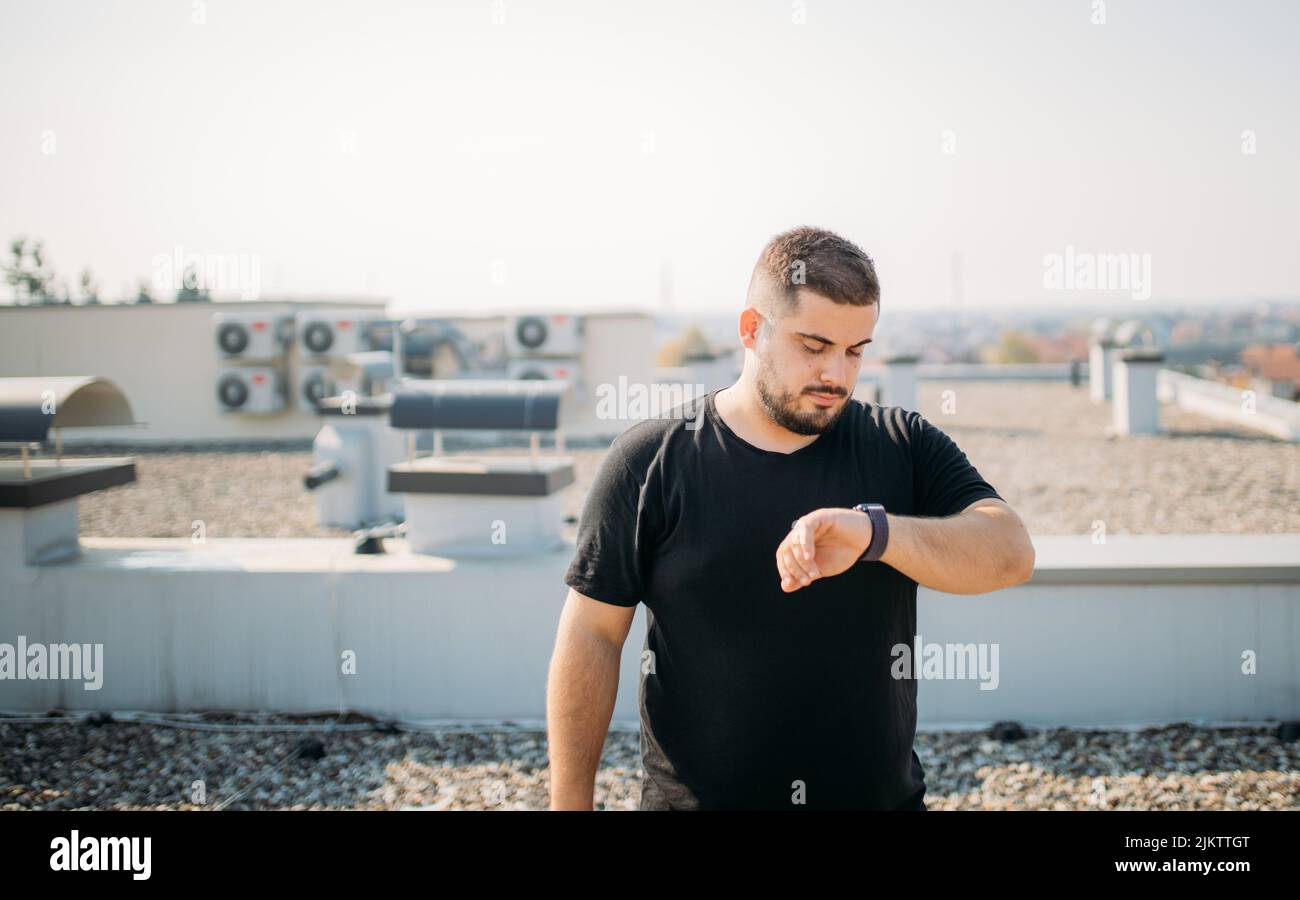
{"points": [[750, 322]]}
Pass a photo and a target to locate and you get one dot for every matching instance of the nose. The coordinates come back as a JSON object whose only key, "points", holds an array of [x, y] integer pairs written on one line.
{"points": [[832, 378]]}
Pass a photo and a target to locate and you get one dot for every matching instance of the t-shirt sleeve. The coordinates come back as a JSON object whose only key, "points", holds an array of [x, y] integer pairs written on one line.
{"points": [[614, 534], [944, 480]]}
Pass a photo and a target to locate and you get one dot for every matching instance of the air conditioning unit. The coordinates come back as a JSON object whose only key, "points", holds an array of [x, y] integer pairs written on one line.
{"points": [[558, 335], [250, 389], [549, 370], [245, 335], [313, 384], [333, 332]]}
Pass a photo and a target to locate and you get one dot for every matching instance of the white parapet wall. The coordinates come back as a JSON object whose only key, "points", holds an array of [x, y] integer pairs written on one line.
{"points": [[1134, 631], [1142, 629], [1247, 408], [1000, 371]]}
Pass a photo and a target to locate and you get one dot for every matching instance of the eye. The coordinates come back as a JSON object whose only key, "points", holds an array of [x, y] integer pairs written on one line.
{"points": [[856, 353], [812, 350]]}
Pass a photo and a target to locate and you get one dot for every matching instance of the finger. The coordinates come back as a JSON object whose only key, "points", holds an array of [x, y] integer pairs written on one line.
{"points": [[809, 547], [805, 550], [790, 577], [782, 571], [799, 534], [795, 565], [808, 543], [807, 566]]}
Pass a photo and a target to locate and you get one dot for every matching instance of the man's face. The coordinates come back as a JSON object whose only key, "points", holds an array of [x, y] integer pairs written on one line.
{"points": [[808, 362]]}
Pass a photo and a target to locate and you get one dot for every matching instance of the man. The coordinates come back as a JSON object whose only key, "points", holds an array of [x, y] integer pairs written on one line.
{"points": [[766, 673]]}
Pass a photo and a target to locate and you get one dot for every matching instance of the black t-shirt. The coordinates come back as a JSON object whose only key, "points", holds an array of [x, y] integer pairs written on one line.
{"points": [[747, 691]]}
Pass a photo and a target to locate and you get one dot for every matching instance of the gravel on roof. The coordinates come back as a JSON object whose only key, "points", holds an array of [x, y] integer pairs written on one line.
{"points": [[72, 764]]}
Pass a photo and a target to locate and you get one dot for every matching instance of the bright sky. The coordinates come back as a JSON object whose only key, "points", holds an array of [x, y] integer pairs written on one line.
{"points": [[559, 157]]}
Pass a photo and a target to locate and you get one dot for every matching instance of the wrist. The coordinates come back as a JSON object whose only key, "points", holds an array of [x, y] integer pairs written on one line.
{"points": [[877, 530], [864, 531]]}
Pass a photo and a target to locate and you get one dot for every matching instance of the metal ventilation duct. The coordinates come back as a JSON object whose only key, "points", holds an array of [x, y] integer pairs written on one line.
{"points": [[478, 404]]}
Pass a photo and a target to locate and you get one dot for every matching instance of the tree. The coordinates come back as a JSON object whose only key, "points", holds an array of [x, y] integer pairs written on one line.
{"points": [[691, 346], [60, 296], [30, 281], [89, 289], [1015, 348]]}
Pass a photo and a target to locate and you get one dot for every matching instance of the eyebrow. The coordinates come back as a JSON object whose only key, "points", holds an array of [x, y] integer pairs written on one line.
{"points": [[818, 337]]}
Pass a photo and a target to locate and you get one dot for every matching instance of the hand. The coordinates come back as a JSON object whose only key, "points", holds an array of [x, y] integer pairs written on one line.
{"points": [[822, 543]]}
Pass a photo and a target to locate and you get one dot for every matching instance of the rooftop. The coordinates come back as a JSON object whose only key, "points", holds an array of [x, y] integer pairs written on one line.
{"points": [[1042, 445]]}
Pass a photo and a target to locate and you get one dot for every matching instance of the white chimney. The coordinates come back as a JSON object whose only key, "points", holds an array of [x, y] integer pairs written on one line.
{"points": [[1101, 358], [1137, 408], [899, 388]]}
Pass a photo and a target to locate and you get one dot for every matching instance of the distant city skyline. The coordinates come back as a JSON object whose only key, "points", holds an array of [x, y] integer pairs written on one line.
{"points": [[579, 155]]}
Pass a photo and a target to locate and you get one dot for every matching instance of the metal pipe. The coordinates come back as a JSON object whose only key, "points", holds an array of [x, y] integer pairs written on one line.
{"points": [[321, 473]]}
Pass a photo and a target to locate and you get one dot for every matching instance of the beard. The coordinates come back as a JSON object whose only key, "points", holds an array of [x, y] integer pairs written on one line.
{"points": [[783, 407]]}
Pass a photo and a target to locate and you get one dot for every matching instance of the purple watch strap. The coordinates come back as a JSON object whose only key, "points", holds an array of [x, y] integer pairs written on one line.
{"points": [[879, 531]]}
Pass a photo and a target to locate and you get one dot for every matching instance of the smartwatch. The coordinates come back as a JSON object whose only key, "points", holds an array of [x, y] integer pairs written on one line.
{"points": [[879, 531]]}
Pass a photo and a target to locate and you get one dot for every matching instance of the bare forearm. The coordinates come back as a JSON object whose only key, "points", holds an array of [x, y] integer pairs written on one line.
{"points": [[974, 552], [580, 694]]}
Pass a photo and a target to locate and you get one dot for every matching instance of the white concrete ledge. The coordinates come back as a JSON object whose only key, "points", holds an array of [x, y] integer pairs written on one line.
{"points": [[1139, 629], [1061, 559], [1168, 559], [1270, 415], [998, 371]]}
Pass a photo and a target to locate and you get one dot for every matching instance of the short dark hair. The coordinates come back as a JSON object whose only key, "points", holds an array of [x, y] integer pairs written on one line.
{"points": [[818, 260]]}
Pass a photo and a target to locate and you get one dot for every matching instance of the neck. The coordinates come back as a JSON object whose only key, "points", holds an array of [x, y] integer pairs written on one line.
{"points": [[743, 411]]}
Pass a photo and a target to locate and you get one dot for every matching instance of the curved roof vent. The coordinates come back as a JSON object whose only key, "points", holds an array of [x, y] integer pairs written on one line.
{"points": [[30, 407]]}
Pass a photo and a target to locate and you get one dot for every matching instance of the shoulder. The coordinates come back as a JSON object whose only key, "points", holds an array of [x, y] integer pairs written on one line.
{"points": [[907, 430], [648, 440], [892, 424]]}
